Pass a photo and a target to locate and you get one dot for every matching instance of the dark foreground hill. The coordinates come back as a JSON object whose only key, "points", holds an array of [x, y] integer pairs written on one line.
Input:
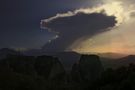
{"points": [[18, 72]]}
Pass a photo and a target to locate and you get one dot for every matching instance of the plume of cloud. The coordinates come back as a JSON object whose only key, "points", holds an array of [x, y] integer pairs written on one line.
{"points": [[110, 9], [71, 28], [82, 24]]}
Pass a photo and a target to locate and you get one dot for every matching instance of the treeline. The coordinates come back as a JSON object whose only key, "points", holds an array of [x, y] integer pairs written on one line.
{"points": [[19, 72]]}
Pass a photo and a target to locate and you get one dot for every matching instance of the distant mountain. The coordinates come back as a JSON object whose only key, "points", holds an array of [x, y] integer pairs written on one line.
{"points": [[111, 55], [109, 60], [32, 52], [4, 52], [115, 63], [127, 60]]}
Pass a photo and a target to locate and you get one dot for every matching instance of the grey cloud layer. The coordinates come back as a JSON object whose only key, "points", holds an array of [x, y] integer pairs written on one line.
{"points": [[75, 27]]}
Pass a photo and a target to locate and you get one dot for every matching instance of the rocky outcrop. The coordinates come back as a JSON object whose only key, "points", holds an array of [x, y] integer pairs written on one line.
{"points": [[49, 67], [20, 64], [68, 59], [88, 69]]}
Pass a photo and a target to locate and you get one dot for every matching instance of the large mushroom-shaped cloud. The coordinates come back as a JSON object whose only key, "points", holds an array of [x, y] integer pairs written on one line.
{"points": [[71, 28]]}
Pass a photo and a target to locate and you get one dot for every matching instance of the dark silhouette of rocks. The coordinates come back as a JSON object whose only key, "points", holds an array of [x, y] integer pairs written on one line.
{"points": [[122, 78], [20, 72], [68, 59], [88, 69], [21, 64], [31, 72], [49, 67]]}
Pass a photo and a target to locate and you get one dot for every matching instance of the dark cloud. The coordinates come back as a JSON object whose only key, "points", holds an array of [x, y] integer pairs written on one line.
{"points": [[19, 20], [75, 27]]}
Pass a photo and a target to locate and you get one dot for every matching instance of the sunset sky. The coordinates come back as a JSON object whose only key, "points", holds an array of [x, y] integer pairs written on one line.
{"points": [[77, 25]]}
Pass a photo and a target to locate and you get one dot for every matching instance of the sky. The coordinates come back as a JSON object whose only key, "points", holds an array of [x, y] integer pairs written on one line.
{"points": [[20, 21], [71, 25]]}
